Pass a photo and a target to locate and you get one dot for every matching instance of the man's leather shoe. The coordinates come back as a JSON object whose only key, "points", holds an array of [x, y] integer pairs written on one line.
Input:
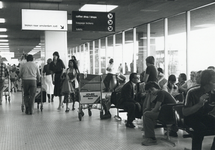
{"points": [[130, 125]]}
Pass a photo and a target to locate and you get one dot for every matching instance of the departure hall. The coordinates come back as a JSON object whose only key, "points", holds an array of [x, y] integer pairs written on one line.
{"points": [[107, 74]]}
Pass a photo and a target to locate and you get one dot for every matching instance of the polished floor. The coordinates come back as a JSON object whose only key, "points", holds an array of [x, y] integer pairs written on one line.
{"points": [[54, 129]]}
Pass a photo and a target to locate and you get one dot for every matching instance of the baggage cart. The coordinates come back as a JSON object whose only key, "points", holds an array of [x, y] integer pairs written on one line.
{"points": [[90, 94]]}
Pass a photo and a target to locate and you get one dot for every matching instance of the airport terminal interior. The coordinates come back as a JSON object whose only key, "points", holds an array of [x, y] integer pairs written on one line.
{"points": [[178, 33]]}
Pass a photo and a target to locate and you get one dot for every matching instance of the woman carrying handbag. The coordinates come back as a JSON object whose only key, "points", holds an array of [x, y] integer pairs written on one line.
{"points": [[70, 87]]}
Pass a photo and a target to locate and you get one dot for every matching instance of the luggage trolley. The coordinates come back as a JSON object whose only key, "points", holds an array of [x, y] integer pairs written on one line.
{"points": [[90, 93], [6, 89]]}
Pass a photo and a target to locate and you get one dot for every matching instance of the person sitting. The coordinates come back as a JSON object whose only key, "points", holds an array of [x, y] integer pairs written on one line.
{"points": [[171, 87], [189, 83], [182, 78], [151, 115], [128, 100], [161, 78], [198, 109]]}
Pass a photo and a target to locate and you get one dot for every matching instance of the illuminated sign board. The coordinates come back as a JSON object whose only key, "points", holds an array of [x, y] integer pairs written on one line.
{"points": [[33, 19], [93, 21]]}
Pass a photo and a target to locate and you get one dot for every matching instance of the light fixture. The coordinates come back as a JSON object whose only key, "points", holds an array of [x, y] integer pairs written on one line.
{"points": [[3, 29], [69, 21], [3, 40], [3, 36], [204, 25], [1, 5], [2, 20], [97, 7], [4, 44]]}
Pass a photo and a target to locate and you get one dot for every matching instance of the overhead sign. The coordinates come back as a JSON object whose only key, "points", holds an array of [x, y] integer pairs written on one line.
{"points": [[33, 19], [93, 21]]}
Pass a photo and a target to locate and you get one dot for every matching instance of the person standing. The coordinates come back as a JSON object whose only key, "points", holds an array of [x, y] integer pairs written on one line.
{"points": [[109, 77], [3, 75], [56, 67], [30, 75], [71, 76], [48, 81], [151, 72]]}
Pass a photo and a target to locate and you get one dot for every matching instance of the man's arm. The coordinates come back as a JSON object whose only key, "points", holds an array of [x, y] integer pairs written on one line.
{"points": [[157, 107], [193, 109], [145, 78]]}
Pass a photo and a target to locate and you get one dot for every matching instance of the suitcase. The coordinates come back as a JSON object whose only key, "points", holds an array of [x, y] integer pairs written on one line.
{"points": [[38, 97]]}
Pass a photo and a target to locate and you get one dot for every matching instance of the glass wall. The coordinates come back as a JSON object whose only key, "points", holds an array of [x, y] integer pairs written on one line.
{"points": [[91, 56], [157, 43], [118, 52], [176, 44], [97, 57], [175, 50], [110, 50], [141, 33], [102, 55], [128, 50], [201, 42]]}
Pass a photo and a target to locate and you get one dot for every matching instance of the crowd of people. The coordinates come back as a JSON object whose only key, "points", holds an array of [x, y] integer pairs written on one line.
{"points": [[196, 94], [140, 98]]}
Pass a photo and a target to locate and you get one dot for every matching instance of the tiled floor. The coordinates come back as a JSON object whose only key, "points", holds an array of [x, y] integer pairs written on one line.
{"points": [[56, 130]]}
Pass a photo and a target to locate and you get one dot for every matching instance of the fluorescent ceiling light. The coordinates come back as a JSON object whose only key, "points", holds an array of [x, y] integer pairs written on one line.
{"points": [[3, 36], [2, 20], [99, 8], [1, 5], [69, 22], [205, 25], [4, 44], [3, 29], [3, 40]]}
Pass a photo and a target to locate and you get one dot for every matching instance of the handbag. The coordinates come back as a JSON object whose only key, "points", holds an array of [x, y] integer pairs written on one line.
{"points": [[67, 87]]}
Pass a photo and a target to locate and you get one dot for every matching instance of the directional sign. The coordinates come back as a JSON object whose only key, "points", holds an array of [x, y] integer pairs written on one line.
{"points": [[33, 19], [93, 21]]}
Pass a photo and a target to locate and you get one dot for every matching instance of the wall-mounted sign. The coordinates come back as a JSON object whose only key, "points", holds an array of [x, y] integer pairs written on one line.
{"points": [[93, 21], [33, 19]]}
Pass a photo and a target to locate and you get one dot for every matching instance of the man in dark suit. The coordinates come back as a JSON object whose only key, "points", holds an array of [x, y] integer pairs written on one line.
{"points": [[128, 98]]}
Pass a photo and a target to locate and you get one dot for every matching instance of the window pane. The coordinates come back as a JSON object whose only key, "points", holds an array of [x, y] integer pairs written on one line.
{"points": [[202, 35], [157, 43], [142, 47], [177, 44]]}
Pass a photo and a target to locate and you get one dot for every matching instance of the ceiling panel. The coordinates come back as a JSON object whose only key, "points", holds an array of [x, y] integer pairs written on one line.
{"points": [[130, 13]]}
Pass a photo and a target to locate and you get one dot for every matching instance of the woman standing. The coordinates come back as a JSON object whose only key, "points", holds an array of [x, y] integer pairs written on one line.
{"points": [[49, 87], [71, 76], [56, 67]]}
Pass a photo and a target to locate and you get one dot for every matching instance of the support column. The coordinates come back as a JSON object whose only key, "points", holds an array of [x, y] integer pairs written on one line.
{"points": [[56, 41]]}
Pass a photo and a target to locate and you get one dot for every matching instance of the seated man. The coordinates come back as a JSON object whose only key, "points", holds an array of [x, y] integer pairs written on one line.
{"points": [[151, 115], [128, 100], [199, 109]]}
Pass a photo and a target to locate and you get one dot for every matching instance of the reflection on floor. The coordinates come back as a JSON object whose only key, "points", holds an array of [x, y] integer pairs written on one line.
{"points": [[56, 130]]}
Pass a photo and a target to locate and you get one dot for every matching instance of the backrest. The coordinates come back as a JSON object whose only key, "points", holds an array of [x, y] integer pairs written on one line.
{"points": [[179, 117], [166, 114]]}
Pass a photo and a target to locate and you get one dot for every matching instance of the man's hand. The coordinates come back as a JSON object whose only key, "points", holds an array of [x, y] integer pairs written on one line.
{"points": [[203, 99]]}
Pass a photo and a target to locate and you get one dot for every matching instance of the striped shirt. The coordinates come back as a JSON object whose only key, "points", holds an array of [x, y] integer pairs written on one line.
{"points": [[3, 71]]}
